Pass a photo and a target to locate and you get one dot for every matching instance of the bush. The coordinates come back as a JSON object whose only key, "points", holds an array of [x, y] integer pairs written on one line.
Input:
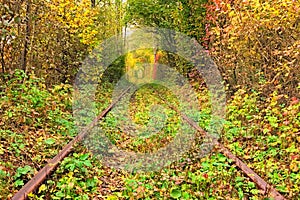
{"points": [[256, 44]]}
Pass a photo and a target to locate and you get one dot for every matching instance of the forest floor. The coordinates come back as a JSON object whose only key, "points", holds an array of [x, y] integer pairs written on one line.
{"points": [[36, 122]]}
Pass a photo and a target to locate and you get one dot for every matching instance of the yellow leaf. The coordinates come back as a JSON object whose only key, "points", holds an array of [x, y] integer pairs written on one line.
{"points": [[294, 166], [42, 188], [112, 197], [231, 14]]}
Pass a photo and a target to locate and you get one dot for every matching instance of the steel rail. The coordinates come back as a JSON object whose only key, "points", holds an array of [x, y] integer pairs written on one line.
{"points": [[34, 183], [261, 183], [38, 178]]}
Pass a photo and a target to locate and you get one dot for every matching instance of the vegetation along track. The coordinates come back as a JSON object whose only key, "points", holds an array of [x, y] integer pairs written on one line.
{"points": [[34, 183]]}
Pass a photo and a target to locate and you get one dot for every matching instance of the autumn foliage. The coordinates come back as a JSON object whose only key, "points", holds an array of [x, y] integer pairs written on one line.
{"points": [[256, 44], [52, 38]]}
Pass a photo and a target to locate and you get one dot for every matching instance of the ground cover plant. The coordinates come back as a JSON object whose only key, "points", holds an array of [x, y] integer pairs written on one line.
{"points": [[255, 45]]}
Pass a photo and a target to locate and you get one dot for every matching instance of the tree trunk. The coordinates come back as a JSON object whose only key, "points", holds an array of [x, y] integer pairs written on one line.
{"points": [[93, 2], [27, 36]]}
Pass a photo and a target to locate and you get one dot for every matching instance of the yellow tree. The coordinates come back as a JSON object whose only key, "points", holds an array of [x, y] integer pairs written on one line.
{"points": [[52, 37], [256, 44]]}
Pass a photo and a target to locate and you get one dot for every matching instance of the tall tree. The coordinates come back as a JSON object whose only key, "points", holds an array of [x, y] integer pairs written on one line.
{"points": [[53, 37], [27, 35], [186, 16]]}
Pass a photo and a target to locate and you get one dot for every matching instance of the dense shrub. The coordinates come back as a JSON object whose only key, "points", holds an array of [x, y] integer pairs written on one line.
{"points": [[256, 44]]}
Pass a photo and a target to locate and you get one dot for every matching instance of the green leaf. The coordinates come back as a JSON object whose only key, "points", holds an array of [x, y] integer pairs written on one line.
{"points": [[2, 173], [254, 191], [205, 166], [175, 193], [59, 194], [241, 193], [185, 195], [19, 183], [84, 156], [22, 171], [70, 166], [17, 19], [87, 163], [251, 185], [221, 157], [10, 114], [50, 141]]}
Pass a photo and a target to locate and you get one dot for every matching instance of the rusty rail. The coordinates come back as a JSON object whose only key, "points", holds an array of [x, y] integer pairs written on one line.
{"points": [[33, 184], [261, 183], [38, 178]]}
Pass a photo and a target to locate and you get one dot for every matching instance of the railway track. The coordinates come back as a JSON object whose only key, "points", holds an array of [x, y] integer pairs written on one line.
{"points": [[38, 179], [34, 183]]}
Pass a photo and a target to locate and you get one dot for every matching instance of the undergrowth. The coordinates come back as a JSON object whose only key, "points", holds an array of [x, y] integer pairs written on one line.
{"points": [[36, 122]]}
